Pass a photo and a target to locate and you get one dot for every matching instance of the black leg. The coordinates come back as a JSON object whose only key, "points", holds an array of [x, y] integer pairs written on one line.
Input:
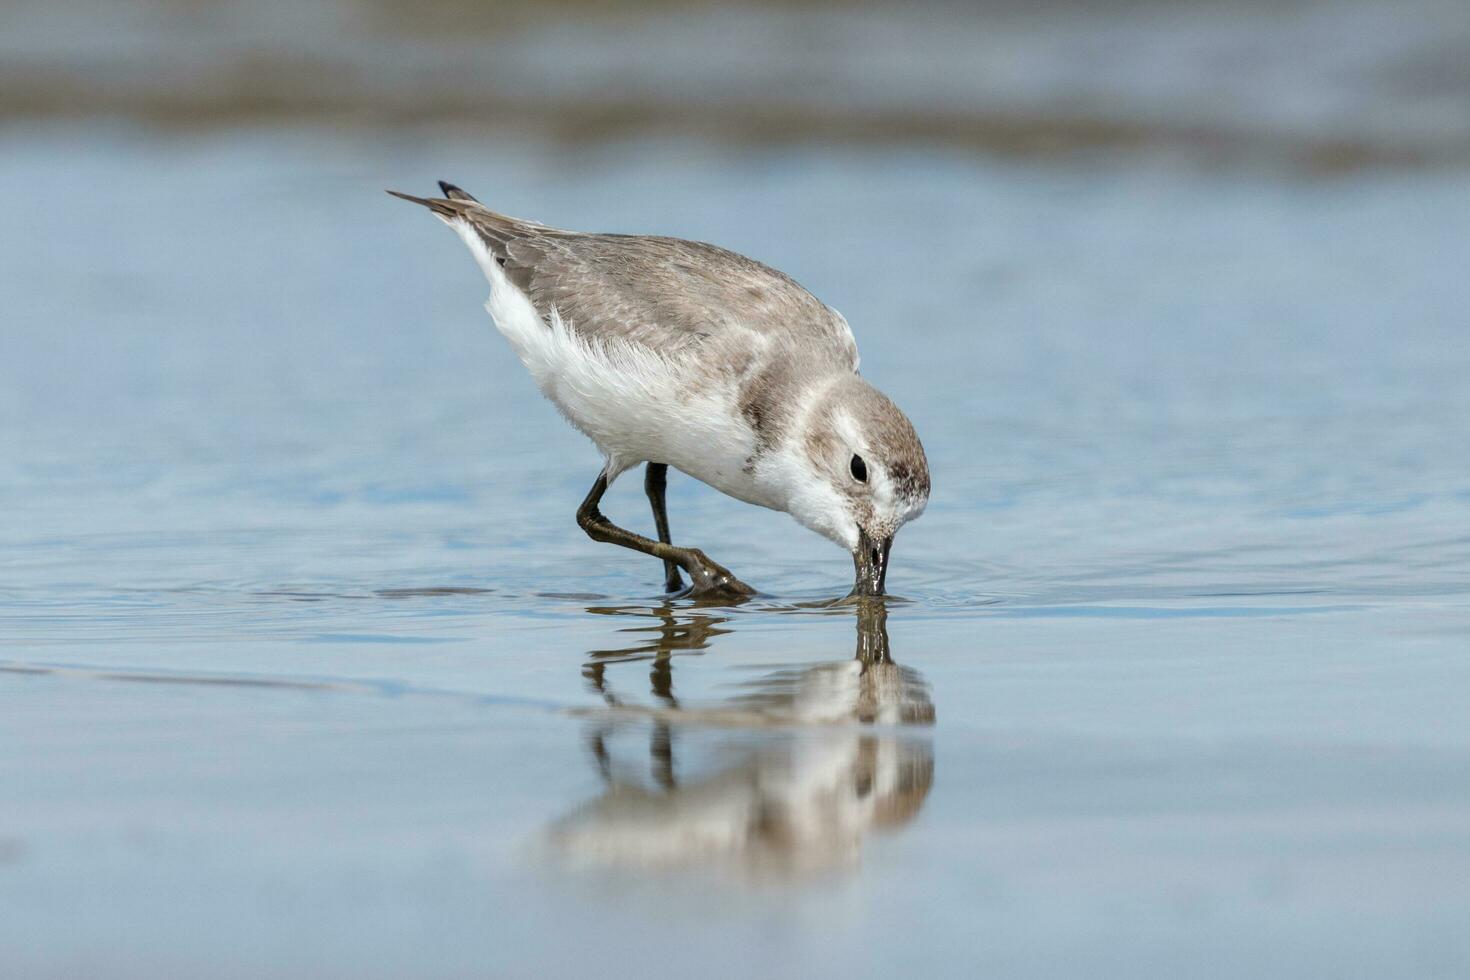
{"points": [[708, 577], [655, 482]]}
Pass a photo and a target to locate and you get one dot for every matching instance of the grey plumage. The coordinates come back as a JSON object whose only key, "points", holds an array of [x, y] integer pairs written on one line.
{"points": [[667, 294]]}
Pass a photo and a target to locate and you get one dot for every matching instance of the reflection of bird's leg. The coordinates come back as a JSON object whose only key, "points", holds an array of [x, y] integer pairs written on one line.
{"points": [[597, 742], [661, 671], [678, 630], [872, 632], [661, 680], [661, 751], [655, 482], [596, 674]]}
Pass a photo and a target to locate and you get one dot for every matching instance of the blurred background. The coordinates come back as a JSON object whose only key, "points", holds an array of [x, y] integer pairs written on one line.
{"points": [[305, 668], [1320, 87]]}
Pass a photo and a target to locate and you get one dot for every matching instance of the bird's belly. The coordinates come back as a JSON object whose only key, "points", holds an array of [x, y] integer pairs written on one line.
{"points": [[637, 413], [733, 477]]}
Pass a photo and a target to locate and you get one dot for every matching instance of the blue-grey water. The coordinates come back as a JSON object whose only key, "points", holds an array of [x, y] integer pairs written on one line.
{"points": [[306, 670]]}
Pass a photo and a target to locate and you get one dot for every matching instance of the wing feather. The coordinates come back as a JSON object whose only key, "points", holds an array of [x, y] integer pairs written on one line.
{"points": [[666, 294]]}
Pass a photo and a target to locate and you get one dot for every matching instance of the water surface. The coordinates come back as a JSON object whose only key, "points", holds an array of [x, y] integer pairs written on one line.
{"points": [[305, 665]]}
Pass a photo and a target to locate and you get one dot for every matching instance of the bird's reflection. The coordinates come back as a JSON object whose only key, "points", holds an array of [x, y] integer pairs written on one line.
{"points": [[786, 776]]}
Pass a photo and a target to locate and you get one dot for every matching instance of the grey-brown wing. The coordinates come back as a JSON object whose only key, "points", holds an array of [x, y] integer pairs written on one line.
{"points": [[663, 293]]}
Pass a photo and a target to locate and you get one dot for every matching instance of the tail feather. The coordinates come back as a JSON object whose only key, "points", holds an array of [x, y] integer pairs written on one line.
{"points": [[508, 243], [443, 208], [455, 193], [455, 202]]}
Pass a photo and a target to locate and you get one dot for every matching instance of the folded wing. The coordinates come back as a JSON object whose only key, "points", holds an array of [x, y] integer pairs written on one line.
{"points": [[665, 294]]}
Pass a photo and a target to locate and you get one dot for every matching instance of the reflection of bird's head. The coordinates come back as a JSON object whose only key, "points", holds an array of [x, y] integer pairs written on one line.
{"points": [[847, 690], [892, 695], [902, 781]]}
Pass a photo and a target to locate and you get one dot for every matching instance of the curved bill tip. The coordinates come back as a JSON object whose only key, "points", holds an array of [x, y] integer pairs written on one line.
{"points": [[870, 564]]}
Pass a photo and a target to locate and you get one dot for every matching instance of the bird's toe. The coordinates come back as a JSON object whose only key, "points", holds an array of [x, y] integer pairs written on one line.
{"points": [[712, 579]]}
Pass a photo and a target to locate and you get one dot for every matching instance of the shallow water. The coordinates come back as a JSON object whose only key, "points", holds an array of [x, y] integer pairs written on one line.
{"points": [[306, 666]]}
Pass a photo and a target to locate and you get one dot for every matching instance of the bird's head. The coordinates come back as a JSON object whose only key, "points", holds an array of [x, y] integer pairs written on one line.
{"points": [[865, 475]]}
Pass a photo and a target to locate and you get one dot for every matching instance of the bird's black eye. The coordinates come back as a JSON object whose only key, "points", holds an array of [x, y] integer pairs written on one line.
{"points": [[859, 469]]}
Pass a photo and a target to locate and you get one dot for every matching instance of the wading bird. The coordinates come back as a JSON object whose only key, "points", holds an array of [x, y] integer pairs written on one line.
{"points": [[677, 353]]}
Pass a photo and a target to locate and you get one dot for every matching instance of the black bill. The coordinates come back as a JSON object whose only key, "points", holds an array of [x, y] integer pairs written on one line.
{"points": [[870, 563]]}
